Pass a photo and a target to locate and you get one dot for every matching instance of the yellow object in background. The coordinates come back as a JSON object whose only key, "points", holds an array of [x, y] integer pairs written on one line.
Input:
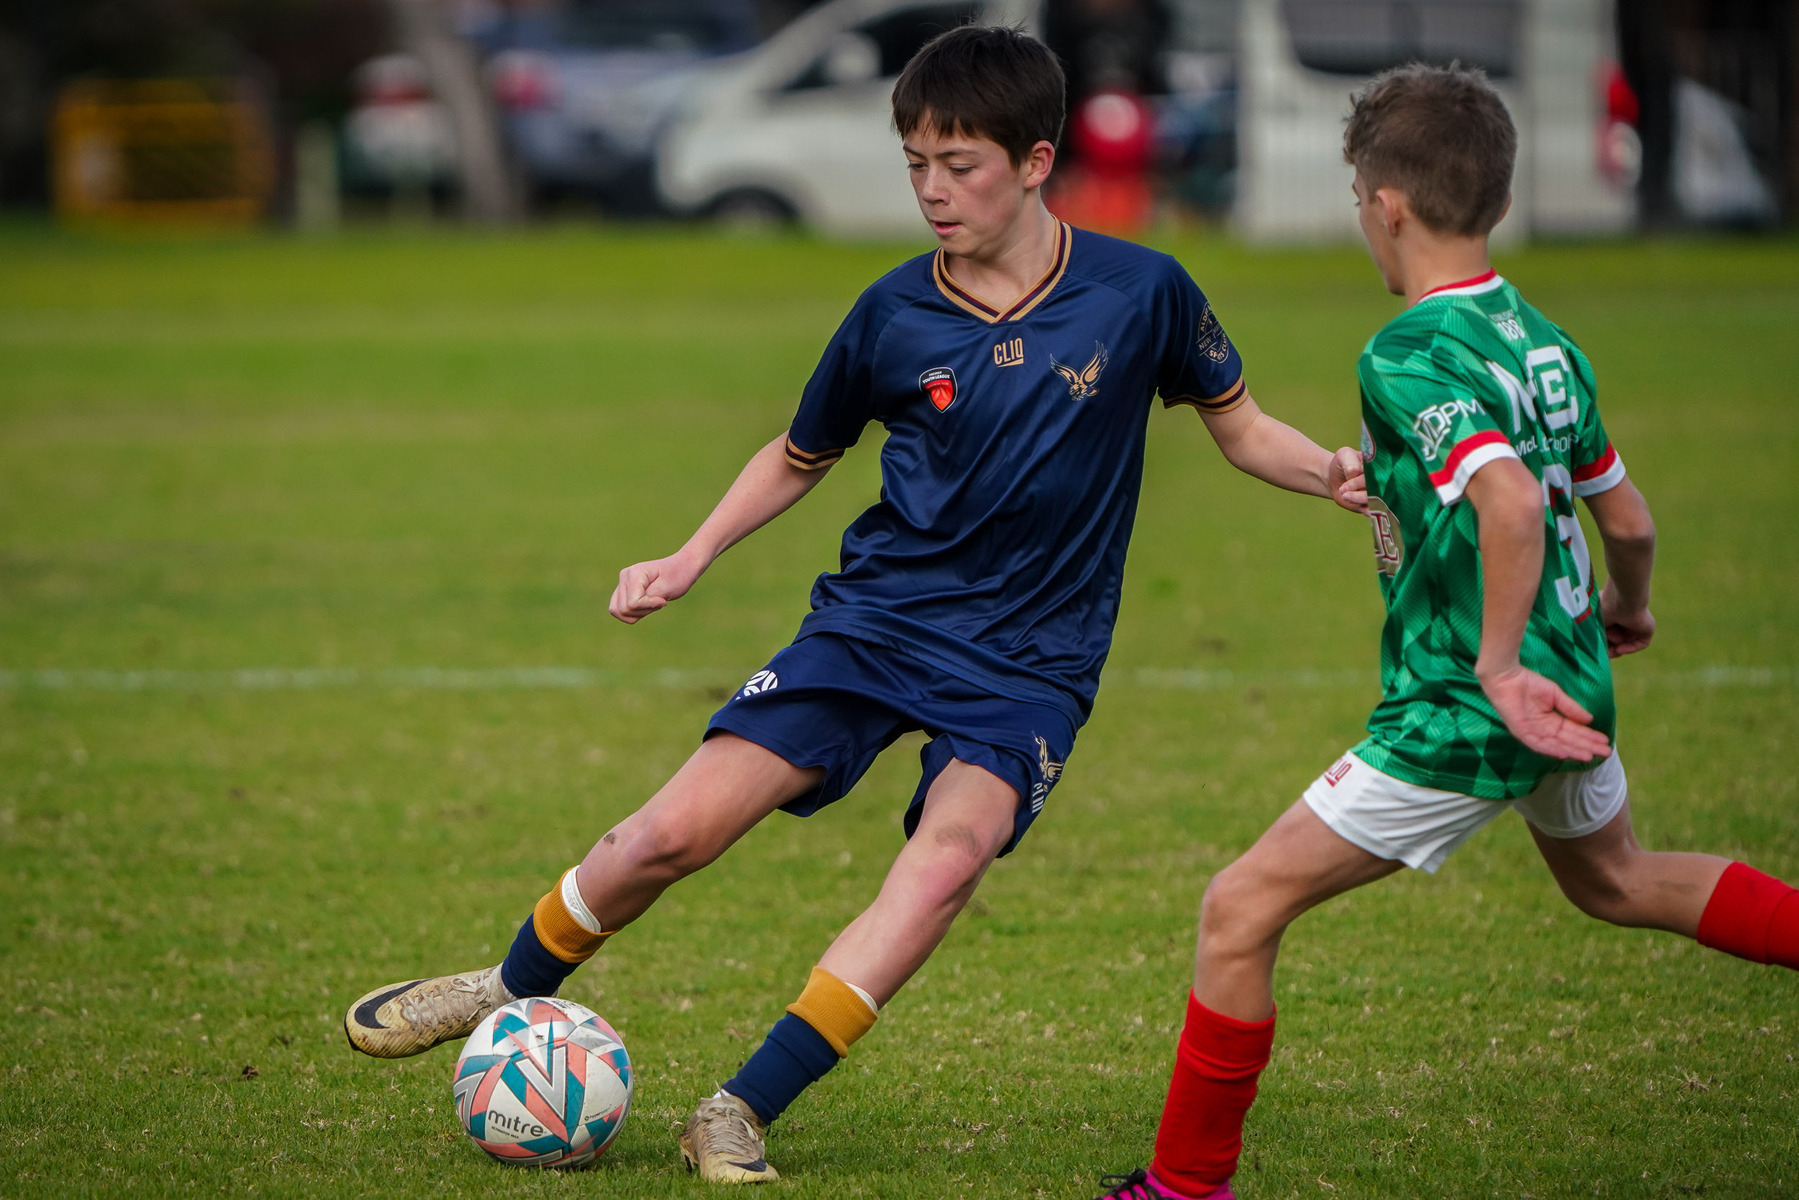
{"points": [[161, 150]]}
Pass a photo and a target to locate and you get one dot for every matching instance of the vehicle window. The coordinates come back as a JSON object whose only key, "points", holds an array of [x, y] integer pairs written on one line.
{"points": [[888, 41], [1361, 37], [693, 25]]}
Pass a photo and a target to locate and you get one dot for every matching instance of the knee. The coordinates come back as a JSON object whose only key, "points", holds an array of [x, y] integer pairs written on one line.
{"points": [[1603, 892], [955, 858], [1236, 915], [660, 848]]}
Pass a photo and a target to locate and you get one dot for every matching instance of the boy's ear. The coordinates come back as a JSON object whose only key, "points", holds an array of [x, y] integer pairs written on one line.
{"points": [[1037, 164], [1394, 209]]}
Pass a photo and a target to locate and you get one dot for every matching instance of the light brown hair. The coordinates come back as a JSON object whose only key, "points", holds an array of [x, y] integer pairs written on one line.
{"points": [[1442, 136]]}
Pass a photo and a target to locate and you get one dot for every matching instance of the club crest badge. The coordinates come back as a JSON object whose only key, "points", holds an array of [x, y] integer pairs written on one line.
{"points": [[1389, 543], [939, 383], [1083, 384], [1211, 339]]}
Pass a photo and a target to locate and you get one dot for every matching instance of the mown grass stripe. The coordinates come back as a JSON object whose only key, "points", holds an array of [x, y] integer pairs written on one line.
{"points": [[476, 679]]}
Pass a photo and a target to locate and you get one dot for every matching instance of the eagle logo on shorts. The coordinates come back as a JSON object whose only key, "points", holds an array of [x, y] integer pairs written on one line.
{"points": [[1052, 771], [1083, 384]]}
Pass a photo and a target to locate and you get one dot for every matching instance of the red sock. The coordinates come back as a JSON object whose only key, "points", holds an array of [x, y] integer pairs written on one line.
{"points": [[1215, 1071], [1752, 916]]}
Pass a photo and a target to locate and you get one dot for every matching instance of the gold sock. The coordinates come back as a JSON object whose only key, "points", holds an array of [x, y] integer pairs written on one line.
{"points": [[839, 1012], [564, 925]]}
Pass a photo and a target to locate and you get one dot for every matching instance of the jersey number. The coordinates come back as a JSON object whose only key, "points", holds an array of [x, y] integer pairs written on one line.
{"points": [[1575, 592]]}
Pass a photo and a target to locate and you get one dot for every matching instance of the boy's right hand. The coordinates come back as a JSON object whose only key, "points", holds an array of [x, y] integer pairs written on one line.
{"points": [[647, 586], [1625, 632], [1540, 714]]}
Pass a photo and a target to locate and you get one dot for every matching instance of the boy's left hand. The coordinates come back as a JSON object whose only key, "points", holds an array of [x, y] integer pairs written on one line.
{"points": [[1348, 485], [1540, 714]]}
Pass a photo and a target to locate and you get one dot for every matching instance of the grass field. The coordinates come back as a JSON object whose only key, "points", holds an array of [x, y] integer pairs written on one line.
{"points": [[308, 686]]}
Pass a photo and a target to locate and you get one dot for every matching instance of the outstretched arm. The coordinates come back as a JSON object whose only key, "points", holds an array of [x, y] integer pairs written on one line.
{"points": [[767, 487], [1628, 532], [1257, 444], [1508, 499]]}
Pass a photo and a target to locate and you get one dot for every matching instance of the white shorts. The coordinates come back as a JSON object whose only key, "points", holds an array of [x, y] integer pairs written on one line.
{"points": [[1419, 826]]}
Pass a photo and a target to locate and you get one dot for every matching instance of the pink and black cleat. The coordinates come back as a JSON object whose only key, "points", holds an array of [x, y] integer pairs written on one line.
{"points": [[1141, 1185]]}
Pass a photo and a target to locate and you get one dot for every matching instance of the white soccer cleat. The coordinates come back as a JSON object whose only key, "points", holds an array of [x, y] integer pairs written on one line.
{"points": [[723, 1142], [403, 1019]]}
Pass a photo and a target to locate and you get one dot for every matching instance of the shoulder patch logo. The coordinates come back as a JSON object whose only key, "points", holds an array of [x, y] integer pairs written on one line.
{"points": [[939, 383], [1211, 338], [761, 681], [1083, 384]]}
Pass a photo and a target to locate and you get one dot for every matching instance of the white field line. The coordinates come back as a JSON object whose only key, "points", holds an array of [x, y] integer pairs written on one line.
{"points": [[1195, 679]]}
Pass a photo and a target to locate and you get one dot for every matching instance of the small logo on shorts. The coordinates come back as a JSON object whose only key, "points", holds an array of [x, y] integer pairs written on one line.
{"points": [[1335, 775], [761, 681], [1050, 770]]}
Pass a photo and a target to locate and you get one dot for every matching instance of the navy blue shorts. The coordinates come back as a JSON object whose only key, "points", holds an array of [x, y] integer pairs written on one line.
{"points": [[836, 702]]}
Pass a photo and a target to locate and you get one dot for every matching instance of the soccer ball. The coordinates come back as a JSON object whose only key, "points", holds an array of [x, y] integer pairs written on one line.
{"points": [[543, 1082]]}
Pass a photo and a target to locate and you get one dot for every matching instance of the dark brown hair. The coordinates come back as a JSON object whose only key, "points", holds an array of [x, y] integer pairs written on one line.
{"points": [[983, 81], [1443, 137]]}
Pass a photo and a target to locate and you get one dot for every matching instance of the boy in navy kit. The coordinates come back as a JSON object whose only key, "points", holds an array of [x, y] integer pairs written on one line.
{"points": [[1013, 370]]}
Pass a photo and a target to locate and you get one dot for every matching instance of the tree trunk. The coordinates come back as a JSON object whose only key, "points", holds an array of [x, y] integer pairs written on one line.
{"points": [[490, 193]]}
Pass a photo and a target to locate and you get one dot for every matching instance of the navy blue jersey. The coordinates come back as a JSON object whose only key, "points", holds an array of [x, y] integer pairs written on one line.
{"points": [[1013, 461]]}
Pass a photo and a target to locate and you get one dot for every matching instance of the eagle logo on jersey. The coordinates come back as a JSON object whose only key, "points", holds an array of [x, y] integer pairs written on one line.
{"points": [[1211, 338], [1083, 384], [939, 383]]}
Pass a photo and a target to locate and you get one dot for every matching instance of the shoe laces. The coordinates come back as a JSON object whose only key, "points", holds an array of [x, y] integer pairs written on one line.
{"points": [[422, 1007], [1135, 1186], [726, 1130]]}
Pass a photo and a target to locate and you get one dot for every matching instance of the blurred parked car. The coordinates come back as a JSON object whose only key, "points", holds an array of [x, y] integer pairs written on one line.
{"points": [[803, 126], [802, 129], [584, 88]]}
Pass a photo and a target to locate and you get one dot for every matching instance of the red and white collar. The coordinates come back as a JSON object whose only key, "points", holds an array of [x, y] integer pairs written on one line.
{"points": [[1468, 287]]}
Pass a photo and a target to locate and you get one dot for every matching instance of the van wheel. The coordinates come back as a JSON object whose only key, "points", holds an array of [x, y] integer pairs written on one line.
{"points": [[752, 209]]}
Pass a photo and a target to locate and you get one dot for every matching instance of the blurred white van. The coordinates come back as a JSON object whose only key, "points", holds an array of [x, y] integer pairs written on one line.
{"points": [[803, 126], [1299, 60]]}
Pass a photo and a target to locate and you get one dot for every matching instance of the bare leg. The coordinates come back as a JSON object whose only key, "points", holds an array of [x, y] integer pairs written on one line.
{"points": [[716, 797], [1608, 876], [968, 818], [1295, 866]]}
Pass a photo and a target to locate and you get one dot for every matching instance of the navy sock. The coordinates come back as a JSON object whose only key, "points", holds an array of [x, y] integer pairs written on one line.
{"points": [[530, 969], [793, 1058]]}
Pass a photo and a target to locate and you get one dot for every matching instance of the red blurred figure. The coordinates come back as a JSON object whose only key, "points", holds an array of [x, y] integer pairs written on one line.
{"points": [[1620, 148], [1107, 189]]}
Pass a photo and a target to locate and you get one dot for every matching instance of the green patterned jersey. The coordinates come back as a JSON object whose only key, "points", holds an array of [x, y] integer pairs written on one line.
{"points": [[1469, 374]]}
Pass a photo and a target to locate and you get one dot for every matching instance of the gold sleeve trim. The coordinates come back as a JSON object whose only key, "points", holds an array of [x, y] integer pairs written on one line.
{"points": [[806, 461], [1238, 393]]}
